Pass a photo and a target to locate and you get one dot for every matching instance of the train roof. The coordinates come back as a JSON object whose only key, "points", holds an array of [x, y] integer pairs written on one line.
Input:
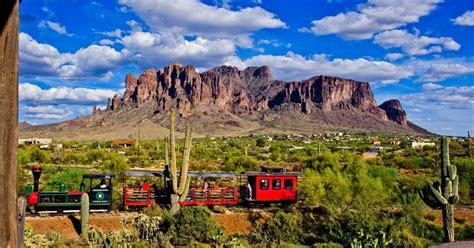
{"points": [[144, 174], [190, 173], [260, 173], [99, 176]]}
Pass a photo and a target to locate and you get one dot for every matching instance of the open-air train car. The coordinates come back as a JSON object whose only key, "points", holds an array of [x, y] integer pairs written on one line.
{"points": [[141, 193]]}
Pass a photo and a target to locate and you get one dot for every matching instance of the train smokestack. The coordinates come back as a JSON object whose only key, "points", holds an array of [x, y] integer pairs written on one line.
{"points": [[36, 170]]}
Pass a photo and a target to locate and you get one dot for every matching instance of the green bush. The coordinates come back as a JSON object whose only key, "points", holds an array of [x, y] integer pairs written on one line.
{"points": [[71, 178], [282, 227], [193, 224]]}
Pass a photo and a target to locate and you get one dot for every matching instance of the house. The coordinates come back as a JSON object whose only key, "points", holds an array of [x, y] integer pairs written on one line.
{"points": [[35, 141], [420, 144]]}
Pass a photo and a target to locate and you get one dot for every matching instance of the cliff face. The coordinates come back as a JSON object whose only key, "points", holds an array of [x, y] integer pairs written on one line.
{"points": [[395, 112], [252, 90]]}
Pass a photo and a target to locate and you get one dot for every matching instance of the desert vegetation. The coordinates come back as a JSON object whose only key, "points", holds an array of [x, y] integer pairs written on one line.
{"points": [[347, 198]]}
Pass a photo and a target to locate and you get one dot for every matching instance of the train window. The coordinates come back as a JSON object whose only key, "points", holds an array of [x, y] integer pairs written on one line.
{"points": [[276, 184], [263, 183], [288, 183]]}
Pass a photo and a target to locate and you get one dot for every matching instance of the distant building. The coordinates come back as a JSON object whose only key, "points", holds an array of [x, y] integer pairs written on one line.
{"points": [[35, 141], [123, 143], [44, 146], [419, 144], [375, 149]]}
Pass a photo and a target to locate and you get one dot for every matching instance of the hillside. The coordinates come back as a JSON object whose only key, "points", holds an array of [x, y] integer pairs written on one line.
{"points": [[228, 101]]}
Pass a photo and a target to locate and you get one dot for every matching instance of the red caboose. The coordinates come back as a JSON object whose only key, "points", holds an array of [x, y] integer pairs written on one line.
{"points": [[272, 185]]}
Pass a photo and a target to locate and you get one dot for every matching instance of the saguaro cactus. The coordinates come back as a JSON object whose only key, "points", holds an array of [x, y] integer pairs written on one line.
{"points": [[179, 188], [443, 196], [84, 215]]}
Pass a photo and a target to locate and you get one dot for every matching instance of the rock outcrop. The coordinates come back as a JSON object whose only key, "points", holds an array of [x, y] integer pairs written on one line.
{"points": [[244, 92], [395, 112]]}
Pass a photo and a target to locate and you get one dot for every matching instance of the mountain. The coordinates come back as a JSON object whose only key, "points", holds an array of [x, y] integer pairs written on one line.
{"points": [[225, 101]]}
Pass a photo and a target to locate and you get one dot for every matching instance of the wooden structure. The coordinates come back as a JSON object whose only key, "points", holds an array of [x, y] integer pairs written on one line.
{"points": [[8, 122]]}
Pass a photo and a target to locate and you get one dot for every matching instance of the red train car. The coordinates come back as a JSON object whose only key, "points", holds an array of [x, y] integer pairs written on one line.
{"points": [[145, 194], [272, 185]]}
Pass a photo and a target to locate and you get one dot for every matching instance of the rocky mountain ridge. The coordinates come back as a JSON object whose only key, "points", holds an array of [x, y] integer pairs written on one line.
{"points": [[225, 100], [248, 91]]}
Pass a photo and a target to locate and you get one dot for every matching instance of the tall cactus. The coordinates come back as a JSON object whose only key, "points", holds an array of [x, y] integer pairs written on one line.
{"points": [[180, 187], [443, 196], [84, 215]]}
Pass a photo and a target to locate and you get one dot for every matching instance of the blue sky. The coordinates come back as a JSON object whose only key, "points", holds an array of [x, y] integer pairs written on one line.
{"points": [[75, 54]]}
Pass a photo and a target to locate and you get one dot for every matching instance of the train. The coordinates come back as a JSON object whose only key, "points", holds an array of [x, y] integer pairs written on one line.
{"points": [[143, 188]]}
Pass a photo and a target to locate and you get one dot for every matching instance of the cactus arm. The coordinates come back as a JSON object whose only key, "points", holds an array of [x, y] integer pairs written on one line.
{"points": [[186, 190], [173, 169], [84, 214], [438, 195], [185, 162], [452, 172], [167, 156], [455, 196], [444, 156], [432, 204]]}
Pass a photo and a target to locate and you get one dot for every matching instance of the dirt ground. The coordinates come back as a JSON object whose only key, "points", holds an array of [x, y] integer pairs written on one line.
{"points": [[235, 222], [69, 226], [462, 216]]}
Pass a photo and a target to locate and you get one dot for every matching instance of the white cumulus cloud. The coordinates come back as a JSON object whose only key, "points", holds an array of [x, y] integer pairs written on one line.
{"points": [[431, 86], [46, 112], [92, 62], [373, 17], [393, 56], [196, 18], [156, 50], [437, 72], [414, 44], [33, 94], [466, 19], [53, 26], [296, 67]]}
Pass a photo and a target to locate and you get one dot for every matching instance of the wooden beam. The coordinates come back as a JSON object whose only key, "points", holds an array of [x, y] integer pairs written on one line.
{"points": [[8, 121]]}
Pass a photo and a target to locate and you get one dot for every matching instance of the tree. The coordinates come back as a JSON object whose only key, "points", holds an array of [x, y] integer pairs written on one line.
{"points": [[261, 142]]}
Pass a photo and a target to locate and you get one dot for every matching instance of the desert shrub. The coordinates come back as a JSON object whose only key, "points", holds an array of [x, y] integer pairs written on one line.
{"points": [[465, 167], [219, 209], [149, 228], [327, 245], [115, 164], [95, 155], [24, 156], [342, 181], [193, 224], [244, 162], [122, 238], [282, 227], [430, 217], [75, 158], [38, 155], [261, 142], [71, 177], [464, 233]]}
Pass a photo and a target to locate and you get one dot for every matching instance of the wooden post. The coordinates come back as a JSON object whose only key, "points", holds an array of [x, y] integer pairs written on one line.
{"points": [[8, 122], [21, 220]]}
